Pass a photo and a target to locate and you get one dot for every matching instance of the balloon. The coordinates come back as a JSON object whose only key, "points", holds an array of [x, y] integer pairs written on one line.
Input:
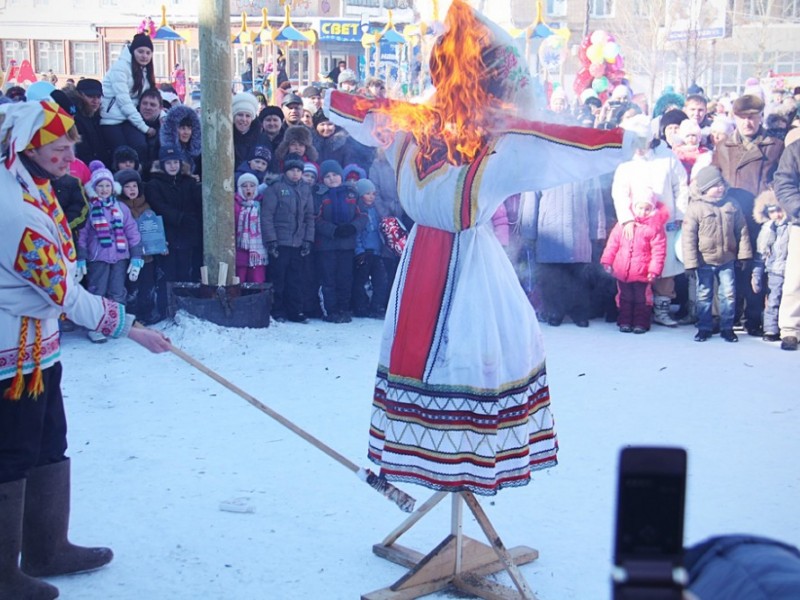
{"points": [[595, 54], [610, 52], [619, 64], [597, 70], [599, 37], [600, 84], [582, 79]]}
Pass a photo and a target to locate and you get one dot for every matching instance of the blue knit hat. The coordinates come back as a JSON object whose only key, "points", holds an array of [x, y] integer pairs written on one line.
{"points": [[364, 186], [330, 166], [169, 152]]}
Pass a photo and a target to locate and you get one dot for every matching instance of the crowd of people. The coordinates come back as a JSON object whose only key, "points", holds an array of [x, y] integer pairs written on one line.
{"points": [[694, 229]]}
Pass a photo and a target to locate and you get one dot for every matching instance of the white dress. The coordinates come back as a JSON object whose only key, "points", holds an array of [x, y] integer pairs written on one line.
{"points": [[461, 399]]}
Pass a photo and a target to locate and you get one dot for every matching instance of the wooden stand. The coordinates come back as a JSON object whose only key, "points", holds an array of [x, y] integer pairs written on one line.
{"points": [[458, 561]]}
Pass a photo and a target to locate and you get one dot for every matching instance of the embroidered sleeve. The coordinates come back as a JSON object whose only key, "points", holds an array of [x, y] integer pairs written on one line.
{"points": [[39, 261]]}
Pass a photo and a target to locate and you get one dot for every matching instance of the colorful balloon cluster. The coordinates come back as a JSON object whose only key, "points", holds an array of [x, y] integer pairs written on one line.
{"points": [[147, 26], [602, 65]]}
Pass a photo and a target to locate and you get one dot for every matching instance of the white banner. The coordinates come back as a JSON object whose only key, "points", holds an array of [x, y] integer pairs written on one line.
{"points": [[701, 19]]}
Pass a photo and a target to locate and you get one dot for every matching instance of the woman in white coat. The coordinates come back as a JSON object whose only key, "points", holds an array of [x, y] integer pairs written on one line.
{"points": [[655, 166], [123, 86]]}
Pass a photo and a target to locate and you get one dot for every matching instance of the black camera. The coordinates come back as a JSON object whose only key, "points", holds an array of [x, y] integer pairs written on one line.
{"points": [[648, 549]]}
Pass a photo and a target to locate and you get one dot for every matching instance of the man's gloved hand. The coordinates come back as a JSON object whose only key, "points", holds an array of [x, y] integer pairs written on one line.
{"points": [[134, 268], [80, 270], [344, 230], [272, 248], [305, 249]]}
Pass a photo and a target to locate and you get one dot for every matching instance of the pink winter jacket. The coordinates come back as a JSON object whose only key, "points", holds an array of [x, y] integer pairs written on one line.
{"points": [[642, 255]]}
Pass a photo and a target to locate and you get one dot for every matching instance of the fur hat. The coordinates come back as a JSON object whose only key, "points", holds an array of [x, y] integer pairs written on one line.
{"points": [[141, 40], [125, 176], [688, 127], [175, 117], [330, 166], [748, 105], [100, 173], [347, 75], [244, 178], [707, 178], [245, 102], [270, 111], [125, 153], [319, 117], [301, 135], [364, 186], [639, 125], [293, 161], [353, 172], [763, 204]]}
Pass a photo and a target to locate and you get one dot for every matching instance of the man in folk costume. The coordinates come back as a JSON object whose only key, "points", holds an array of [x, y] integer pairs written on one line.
{"points": [[461, 401], [37, 285]]}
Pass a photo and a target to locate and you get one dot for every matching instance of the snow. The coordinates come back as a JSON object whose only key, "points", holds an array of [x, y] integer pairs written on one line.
{"points": [[157, 447]]}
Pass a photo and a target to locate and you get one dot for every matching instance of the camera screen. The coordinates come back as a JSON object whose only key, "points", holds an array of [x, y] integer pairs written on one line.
{"points": [[650, 519]]}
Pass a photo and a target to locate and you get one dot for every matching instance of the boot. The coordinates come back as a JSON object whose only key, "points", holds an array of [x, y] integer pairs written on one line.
{"points": [[46, 551], [690, 318], [661, 312], [14, 584]]}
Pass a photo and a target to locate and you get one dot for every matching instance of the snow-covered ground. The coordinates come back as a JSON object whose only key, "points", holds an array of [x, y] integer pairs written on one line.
{"points": [[157, 446]]}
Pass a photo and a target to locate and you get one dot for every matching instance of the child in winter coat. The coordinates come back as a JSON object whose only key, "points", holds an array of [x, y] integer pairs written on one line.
{"points": [[287, 223], [251, 256], [772, 248], [310, 173], [107, 242], [636, 261], [337, 224], [370, 268], [141, 291], [689, 150], [713, 249]]}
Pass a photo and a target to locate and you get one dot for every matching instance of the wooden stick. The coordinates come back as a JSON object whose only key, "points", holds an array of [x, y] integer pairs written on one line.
{"points": [[222, 278], [399, 497]]}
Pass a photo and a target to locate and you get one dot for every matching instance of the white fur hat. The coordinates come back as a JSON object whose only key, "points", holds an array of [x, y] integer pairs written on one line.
{"points": [[244, 102]]}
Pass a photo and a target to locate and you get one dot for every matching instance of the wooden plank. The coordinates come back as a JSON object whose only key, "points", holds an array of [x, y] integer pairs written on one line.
{"points": [[398, 554], [484, 588], [497, 545], [408, 593]]}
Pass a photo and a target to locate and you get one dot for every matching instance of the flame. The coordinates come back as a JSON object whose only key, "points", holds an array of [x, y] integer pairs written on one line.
{"points": [[457, 117]]}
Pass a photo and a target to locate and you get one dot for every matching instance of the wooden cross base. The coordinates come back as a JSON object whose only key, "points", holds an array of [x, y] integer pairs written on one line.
{"points": [[458, 562]]}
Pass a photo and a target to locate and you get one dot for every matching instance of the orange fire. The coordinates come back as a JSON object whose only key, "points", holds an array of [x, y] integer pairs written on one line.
{"points": [[456, 118]]}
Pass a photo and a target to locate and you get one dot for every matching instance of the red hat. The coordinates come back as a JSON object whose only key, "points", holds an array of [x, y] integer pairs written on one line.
{"points": [[57, 122]]}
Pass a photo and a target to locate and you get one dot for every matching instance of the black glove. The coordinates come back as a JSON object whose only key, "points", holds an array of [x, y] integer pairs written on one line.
{"points": [[272, 248], [344, 230], [305, 249]]}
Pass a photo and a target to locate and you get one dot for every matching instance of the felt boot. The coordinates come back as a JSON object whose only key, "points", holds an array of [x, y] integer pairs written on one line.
{"points": [[14, 584], [661, 312], [46, 551]]}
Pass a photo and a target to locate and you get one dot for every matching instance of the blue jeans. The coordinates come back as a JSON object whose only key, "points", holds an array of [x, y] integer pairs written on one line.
{"points": [[726, 295]]}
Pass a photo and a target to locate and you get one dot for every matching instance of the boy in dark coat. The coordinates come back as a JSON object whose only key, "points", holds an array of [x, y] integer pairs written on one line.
{"points": [[369, 266], [338, 222], [287, 224], [175, 195]]}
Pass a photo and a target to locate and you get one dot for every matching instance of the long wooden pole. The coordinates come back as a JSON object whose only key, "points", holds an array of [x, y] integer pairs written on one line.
{"points": [[399, 497], [217, 126]]}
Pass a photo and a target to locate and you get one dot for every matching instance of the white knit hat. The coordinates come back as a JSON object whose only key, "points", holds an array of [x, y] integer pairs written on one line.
{"points": [[245, 102]]}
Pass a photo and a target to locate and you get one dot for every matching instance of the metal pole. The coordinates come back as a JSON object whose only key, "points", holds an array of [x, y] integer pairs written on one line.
{"points": [[217, 127]]}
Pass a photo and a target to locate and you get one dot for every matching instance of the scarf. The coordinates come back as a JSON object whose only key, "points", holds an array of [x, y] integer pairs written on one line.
{"points": [[248, 231], [108, 233]]}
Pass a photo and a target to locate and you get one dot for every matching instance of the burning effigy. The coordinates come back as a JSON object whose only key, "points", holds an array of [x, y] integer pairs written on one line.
{"points": [[461, 400]]}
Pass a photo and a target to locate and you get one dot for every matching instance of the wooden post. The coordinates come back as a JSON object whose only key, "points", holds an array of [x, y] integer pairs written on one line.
{"points": [[217, 126]]}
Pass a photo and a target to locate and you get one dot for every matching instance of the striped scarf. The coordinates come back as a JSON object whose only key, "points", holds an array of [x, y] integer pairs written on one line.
{"points": [[248, 231], [108, 232]]}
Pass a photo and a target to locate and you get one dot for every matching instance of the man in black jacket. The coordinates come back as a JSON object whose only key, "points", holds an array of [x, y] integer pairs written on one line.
{"points": [[88, 97]]}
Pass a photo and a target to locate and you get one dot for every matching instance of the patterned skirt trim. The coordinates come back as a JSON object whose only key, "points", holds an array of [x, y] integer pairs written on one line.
{"points": [[475, 442]]}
